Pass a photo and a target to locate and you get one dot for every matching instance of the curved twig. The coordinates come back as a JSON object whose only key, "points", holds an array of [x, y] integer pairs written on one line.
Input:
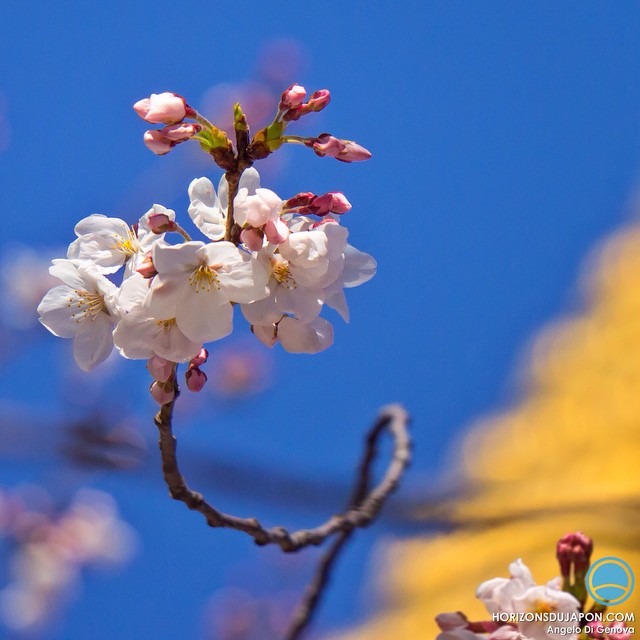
{"points": [[311, 598], [365, 504]]}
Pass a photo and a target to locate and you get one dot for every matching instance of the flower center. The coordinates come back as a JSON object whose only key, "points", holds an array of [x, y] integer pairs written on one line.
{"points": [[542, 606], [87, 305], [129, 245], [282, 274], [204, 278], [166, 324]]}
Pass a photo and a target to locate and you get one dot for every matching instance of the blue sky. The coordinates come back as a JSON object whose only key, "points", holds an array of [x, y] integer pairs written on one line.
{"points": [[506, 143]]}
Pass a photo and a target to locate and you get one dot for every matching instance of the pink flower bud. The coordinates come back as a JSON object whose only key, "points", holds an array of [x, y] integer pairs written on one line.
{"points": [[292, 97], [158, 143], [165, 108], [276, 231], [353, 152], [451, 621], [200, 359], [159, 368], [327, 145], [295, 114], [180, 132], [252, 239], [300, 200], [574, 549], [339, 203], [162, 393], [319, 100], [147, 269], [160, 223], [195, 378]]}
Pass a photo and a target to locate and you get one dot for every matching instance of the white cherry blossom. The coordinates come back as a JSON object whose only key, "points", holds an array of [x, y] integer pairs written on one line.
{"points": [[83, 308], [498, 594], [108, 243], [197, 282], [139, 336], [208, 210]]}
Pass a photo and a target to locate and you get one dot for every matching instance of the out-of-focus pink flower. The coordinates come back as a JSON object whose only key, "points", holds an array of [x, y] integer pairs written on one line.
{"points": [[157, 142], [165, 108]]}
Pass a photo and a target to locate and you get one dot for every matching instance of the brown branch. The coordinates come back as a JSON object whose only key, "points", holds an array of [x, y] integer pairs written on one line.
{"points": [[365, 504], [313, 593]]}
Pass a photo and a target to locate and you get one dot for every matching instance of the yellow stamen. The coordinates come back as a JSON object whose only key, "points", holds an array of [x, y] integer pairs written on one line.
{"points": [[129, 245], [282, 274], [204, 277], [88, 304]]}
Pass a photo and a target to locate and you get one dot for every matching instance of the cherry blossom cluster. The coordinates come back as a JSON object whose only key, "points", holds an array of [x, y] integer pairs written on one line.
{"points": [[50, 550], [514, 602], [279, 261]]}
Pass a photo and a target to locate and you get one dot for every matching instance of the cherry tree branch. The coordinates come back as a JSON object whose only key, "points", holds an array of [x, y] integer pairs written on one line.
{"points": [[313, 593], [365, 504]]}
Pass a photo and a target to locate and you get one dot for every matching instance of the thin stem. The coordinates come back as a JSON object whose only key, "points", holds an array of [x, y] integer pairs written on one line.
{"points": [[297, 139], [307, 607], [203, 121], [393, 418]]}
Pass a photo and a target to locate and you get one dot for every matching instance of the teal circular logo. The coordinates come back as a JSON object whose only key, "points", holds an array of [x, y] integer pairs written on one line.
{"points": [[610, 581]]}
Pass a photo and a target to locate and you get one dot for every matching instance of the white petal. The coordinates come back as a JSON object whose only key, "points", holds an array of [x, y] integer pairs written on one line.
{"points": [[101, 224], [67, 271], [93, 341], [263, 312], [297, 337], [205, 209], [359, 267], [306, 304], [338, 302], [177, 258], [55, 313], [205, 316]]}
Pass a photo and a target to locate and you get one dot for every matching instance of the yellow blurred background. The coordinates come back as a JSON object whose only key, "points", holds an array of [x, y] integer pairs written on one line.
{"points": [[565, 457]]}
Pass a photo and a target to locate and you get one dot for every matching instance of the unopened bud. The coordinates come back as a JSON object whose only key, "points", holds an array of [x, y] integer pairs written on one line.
{"points": [[300, 200], [451, 621], [276, 231], [574, 550], [199, 359], [157, 142], [339, 202], [162, 392], [353, 152], [147, 269], [319, 100], [252, 239], [292, 97], [181, 132], [327, 145], [160, 223], [159, 368], [195, 378], [165, 108]]}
